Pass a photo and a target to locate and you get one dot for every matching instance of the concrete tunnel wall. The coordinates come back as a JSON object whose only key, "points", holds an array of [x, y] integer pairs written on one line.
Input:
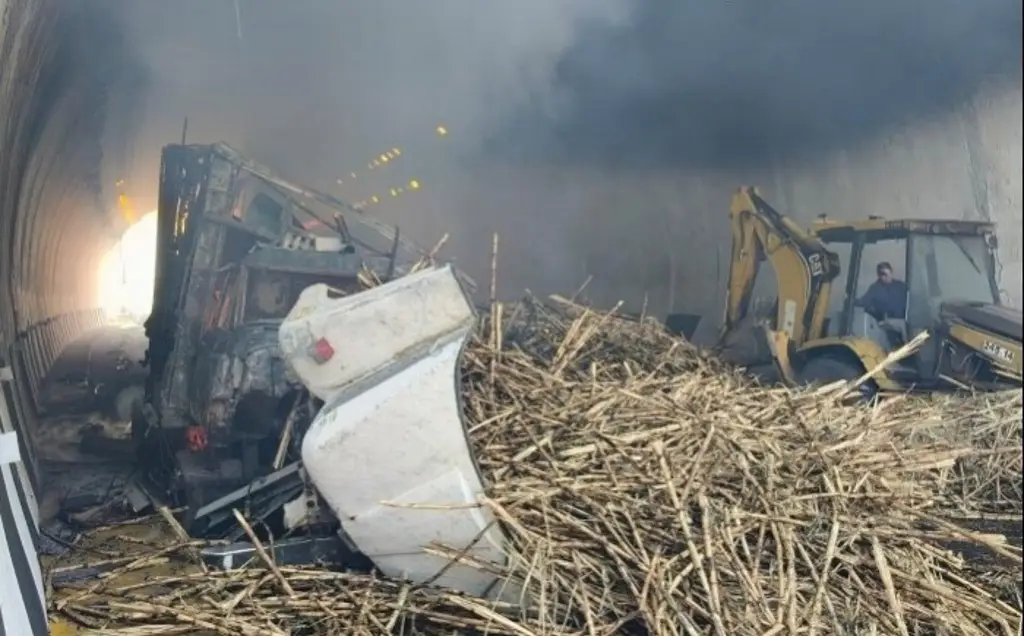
{"points": [[659, 240], [55, 223], [664, 238]]}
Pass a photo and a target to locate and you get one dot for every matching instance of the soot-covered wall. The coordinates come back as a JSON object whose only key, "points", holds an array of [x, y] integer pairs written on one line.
{"points": [[63, 70], [906, 108], [966, 164]]}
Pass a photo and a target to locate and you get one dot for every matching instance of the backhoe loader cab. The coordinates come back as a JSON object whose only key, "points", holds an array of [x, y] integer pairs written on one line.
{"points": [[948, 269], [948, 261], [821, 331], [944, 265]]}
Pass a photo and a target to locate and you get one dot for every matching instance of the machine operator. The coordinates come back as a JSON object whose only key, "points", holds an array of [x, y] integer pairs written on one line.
{"points": [[886, 297]]}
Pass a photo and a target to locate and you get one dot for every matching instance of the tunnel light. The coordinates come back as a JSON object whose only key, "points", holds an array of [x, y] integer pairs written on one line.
{"points": [[124, 205], [414, 185], [442, 131], [375, 199], [397, 151], [394, 192]]}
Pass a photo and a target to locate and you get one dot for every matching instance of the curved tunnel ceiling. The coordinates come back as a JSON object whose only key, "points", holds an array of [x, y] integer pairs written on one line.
{"points": [[64, 70]]}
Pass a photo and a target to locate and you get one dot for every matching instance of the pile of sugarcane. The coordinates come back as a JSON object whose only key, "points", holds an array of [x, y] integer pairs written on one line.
{"points": [[647, 488]]}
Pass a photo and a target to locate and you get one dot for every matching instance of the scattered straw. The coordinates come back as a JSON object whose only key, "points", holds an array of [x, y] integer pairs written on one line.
{"points": [[649, 489]]}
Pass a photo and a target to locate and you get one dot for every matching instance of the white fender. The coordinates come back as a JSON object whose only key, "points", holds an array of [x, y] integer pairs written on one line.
{"points": [[389, 452]]}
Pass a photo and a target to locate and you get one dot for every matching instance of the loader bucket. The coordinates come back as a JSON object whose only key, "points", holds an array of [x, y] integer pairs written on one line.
{"points": [[684, 325], [389, 451]]}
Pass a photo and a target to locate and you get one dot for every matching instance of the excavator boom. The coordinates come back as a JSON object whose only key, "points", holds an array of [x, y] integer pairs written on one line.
{"points": [[804, 268]]}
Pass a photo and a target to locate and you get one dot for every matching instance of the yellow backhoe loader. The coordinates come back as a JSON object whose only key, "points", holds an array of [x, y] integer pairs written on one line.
{"points": [[819, 331]]}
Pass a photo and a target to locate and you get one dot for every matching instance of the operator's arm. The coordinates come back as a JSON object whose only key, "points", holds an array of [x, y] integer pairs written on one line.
{"points": [[873, 301], [870, 298]]}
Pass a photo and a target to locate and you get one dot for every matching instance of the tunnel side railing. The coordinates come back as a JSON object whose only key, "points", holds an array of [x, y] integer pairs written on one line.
{"points": [[23, 367], [38, 346], [24, 364]]}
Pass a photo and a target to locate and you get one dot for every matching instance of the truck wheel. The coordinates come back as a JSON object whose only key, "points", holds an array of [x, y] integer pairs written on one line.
{"points": [[826, 370]]}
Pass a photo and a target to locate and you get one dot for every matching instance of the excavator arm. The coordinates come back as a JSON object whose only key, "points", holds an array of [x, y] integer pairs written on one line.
{"points": [[804, 269]]}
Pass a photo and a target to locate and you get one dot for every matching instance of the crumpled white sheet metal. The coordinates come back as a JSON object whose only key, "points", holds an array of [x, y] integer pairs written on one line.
{"points": [[389, 451]]}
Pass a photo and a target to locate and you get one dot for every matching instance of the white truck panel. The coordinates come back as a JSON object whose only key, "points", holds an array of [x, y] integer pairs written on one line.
{"points": [[389, 452], [372, 331]]}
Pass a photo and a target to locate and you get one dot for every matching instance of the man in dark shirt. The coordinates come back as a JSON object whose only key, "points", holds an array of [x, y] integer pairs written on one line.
{"points": [[886, 297]]}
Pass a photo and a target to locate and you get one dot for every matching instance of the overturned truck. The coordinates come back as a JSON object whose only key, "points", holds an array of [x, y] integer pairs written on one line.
{"points": [[236, 247], [276, 375]]}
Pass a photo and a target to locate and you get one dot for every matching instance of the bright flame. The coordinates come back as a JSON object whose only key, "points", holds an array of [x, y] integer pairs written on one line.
{"points": [[128, 269], [127, 209]]}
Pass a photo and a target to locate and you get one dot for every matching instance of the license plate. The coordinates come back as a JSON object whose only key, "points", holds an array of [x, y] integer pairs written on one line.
{"points": [[997, 350]]}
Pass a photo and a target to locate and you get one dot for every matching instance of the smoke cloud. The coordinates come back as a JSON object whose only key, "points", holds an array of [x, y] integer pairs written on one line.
{"points": [[595, 136], [729, 84], [84, 112]]}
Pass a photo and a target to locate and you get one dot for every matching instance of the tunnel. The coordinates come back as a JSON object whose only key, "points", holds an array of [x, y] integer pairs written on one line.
{"points": [[74, 93], [73, 100], [56, 216], [71, 107]]}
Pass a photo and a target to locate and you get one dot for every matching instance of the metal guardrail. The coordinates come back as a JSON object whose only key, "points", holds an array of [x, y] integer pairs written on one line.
{"points": [[37, 347], [23, 366]]}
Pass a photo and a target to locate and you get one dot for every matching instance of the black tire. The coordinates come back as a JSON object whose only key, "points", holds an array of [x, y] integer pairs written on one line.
{"points": [[825, 370]]}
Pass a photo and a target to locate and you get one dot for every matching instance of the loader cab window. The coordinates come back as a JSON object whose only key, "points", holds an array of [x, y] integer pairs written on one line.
{"points": [[870, 280], [834, 319], [892, 251], [947, 268]]}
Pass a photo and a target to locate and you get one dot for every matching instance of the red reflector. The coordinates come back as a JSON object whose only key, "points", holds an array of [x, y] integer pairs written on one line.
{"points": [[322, 351]]}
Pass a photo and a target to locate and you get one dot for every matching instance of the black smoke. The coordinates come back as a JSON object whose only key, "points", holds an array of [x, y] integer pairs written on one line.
{"points": [[733, 84], [86, 104]]}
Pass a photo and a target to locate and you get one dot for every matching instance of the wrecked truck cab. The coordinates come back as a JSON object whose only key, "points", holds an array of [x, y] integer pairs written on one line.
{"points": [[236, 245], [240, 382]]}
